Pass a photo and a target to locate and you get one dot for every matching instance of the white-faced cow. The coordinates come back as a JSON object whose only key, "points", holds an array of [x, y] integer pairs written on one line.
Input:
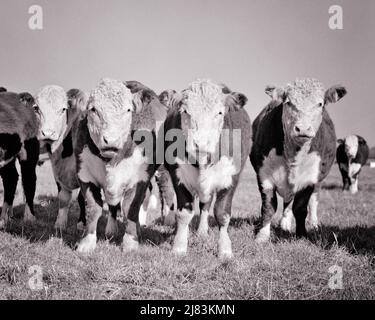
{"points": [[352, 154], [112, 156], [18, 139], [59, 113], [294, 145], [202, 120]]}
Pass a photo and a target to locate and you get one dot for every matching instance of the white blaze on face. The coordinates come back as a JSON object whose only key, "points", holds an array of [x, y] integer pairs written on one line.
{"points": [[110, 110], [203, 105], [351, 146], [51, 107], [303, 110]]}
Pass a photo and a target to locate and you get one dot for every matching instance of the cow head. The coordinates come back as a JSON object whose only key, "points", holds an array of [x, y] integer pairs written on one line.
{"points": [[53, 106], [203, 107], [303, 104], [110, 112]]}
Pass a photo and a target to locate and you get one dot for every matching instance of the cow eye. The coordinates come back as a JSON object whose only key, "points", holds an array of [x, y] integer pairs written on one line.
{"points": [[129, 110], [320, 104], [36, 108], [220, 113]]}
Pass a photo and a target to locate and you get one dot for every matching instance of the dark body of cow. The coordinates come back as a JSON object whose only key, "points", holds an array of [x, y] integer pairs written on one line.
{"points": [[293, 150], [352, 154], [221, 110], [18, 140]]}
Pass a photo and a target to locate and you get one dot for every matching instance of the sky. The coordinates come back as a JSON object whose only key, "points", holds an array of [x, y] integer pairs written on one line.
{"points": [[166, 44]]}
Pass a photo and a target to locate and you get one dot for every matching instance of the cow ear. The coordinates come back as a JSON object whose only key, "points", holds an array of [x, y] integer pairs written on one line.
{"points": [[141, 99], [27, 99], [166, 97], [334, 94], [340, 141], [77, 99], [235, 101], [2, 89], [276, 93], [361, 140]]}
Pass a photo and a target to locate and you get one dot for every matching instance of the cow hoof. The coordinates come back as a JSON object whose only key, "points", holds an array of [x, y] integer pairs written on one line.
{"points": [[202, 233], [28, 216], [61, 223], [225, 254], [286, 224], [80, 226], [87, 244], [3, 223], [170, 219], [111, 228], [314, 226], [179, 251], [129, 243]]}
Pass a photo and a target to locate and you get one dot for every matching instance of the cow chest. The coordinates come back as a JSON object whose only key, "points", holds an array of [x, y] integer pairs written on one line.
{"points": [[289, 176]]}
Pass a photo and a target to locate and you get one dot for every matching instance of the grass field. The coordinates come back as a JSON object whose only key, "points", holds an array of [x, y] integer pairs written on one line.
{"points": [[285, 268]]}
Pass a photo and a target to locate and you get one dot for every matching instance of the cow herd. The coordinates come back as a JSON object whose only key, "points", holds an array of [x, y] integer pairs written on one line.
{"points": [[116, 142]]}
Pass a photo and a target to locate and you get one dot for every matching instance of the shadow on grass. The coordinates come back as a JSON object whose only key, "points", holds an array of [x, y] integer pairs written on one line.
{"points": [[43, 228]]}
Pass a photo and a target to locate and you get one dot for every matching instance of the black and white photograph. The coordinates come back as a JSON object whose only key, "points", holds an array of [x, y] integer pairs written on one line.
{"points": [[196, 152]]}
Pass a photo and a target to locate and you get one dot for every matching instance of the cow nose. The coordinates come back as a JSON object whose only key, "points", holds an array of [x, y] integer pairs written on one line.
{"points": [[297, 129], [105, 140], [48, 133]]}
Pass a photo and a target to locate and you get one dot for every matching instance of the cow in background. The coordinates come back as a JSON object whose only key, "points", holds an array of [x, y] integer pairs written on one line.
{"points": [[294, 144], [59, 113], [202, 116], [352, 154], [18, 140]]}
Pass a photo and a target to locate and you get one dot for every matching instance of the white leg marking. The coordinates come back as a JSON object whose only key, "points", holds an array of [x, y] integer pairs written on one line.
{"points": [[5, 213], [224, 244], [130, 242], [152, 202], [111, 227], [27, 215], [203, 224], [313, 211], [180, 243], [354, 187], [142, 217], [286, 220], [87, 244], [264, 234]]}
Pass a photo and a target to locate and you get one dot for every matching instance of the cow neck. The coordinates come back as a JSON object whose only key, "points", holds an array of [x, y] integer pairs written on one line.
{"points": [[291, 150]]}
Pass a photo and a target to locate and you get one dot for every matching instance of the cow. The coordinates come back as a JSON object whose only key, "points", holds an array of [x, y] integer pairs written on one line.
{"points": [[18, 140], [352, 154], [115, 153], [59, 113], [294, 144], [202, 117]]}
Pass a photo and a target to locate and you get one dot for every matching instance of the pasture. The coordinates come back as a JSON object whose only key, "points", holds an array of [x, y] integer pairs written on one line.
{"points": [[285, 268]]}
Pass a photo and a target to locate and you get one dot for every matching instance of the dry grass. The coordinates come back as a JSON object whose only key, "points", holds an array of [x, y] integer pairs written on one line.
{"points": [[286, 268]]}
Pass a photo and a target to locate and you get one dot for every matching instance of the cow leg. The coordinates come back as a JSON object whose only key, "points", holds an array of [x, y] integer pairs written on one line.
{"points": [[167, 196], [222, 212], [144, 207], [82, 211], [111, 228], [300, 203], [204, 209], [132, 234], [185, 212], [65, 197], [313, 210], [28, 174], [286, 220], [94, 203], [269, 206], [9, 175]]}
